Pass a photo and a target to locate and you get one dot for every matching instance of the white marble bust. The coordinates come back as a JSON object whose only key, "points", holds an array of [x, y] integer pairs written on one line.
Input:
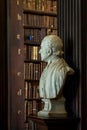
{"points": [[53, 77]]}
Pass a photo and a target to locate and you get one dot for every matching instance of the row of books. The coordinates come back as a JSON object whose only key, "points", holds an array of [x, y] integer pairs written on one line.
{"points": [[32, 53], [36, 35], [32, 71], [40, 20], [26, 126], [31, 125], [41, 5], [31, 91], [32, 107]]}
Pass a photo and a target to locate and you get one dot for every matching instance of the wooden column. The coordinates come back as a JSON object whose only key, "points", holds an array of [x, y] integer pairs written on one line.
{"points": [[72, 28], [3, 67], [16, 65]]}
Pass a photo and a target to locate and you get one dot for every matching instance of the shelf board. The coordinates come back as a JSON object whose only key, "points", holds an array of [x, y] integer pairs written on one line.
{"points": [[26, 26], [34, 81], [31, 43], [33, 99], [38, 12], [32, 61]]}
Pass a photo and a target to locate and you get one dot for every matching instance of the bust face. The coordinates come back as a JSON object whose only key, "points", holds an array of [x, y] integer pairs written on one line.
{"points": [[44, 51]]}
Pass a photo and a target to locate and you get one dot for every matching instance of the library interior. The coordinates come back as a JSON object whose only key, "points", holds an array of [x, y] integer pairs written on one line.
{"points": [[23, 26]]}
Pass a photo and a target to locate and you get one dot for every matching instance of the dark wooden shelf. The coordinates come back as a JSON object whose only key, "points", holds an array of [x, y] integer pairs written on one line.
{"points": [[32, 81], [38, 12], [26, 26], [31, 43], [32, 61], [30, 99]]}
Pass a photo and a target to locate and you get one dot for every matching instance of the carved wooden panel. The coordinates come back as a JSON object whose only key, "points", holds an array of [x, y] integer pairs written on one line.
{"points": [[72, 24]]}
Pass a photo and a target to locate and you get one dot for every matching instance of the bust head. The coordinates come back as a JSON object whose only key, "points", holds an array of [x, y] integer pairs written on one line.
{"points": [[51, 45]]}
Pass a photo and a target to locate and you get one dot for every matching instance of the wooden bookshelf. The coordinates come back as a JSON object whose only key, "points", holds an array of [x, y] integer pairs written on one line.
{"points": [[39, 21]]}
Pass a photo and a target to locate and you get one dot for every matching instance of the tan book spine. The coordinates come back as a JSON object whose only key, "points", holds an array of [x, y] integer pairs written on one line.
{"points": [[26, 90]]}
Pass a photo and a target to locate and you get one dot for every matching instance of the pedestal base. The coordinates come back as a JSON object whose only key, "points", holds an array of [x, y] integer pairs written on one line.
{"points": [[53, 123], [53, 108]]}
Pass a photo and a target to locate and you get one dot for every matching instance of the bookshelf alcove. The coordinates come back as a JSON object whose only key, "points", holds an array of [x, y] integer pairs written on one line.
{"points": [[39, 20]]}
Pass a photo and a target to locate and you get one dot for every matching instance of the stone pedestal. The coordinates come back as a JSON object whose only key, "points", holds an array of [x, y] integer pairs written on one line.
{"points": [[53, 108]]}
